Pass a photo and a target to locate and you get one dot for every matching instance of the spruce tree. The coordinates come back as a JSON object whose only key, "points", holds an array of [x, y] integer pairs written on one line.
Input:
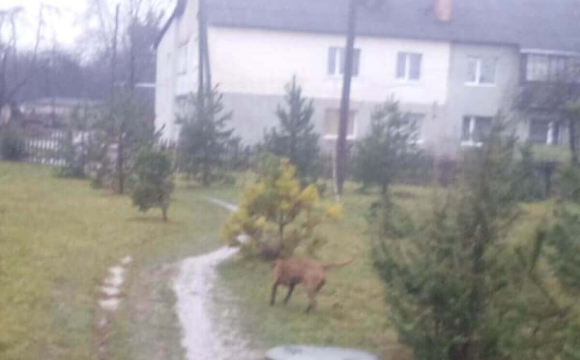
{"points": [[456, 287], [204, 137], [530, 186], [388, 148], [295, 138], [154, 170]]}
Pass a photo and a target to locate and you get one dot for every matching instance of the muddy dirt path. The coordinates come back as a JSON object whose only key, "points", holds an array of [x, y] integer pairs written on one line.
{"points": [[204, 336]]}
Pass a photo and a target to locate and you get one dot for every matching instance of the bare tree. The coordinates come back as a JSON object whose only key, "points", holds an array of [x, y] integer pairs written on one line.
{"points": [[12, 77]]}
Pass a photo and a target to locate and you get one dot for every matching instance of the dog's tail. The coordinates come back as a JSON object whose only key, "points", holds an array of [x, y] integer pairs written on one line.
{"points": [[335, 265]]}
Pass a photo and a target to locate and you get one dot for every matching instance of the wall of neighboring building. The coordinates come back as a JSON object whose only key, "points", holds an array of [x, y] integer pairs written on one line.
{"points": [[253, 66], [484, 100], [176, 69], [164, 88]]}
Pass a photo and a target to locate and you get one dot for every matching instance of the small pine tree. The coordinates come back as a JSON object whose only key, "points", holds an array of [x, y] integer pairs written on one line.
{"points": [[564, 260], [121, 131], [455, 288], [154, 184], [295, 138], [387, 149], [12, 144], [204, 137], [276, 213], [568, 181], [530, 187]]}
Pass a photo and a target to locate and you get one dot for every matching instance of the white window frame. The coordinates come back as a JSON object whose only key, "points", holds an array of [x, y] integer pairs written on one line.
{"points": [[407, 76], [419, 129], [354, 125], [550, 138], [470, 142], [340, 54], [478, 68]]}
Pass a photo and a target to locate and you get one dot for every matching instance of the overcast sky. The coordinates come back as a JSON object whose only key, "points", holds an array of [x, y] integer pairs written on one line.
{"points": [[63, 19]]}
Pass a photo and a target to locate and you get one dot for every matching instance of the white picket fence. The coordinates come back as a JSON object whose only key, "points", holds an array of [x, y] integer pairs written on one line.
{"points": [[44, 149]]}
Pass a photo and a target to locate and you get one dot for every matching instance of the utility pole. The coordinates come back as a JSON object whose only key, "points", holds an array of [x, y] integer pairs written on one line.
{"points": [[120, 130], [114, 54], [341, 144], [201, 57]]}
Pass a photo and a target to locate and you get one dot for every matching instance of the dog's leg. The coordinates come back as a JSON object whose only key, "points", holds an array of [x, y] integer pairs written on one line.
{"points": [[274, 289], [290, 290], [312, 292], [312, 305]]}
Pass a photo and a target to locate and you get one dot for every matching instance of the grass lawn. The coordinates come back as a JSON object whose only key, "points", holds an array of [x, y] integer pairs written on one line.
{"points": [[352, 310], [57, 239]]}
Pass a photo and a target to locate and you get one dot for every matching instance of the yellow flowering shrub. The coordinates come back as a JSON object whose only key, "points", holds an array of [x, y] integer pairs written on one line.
{"points": [[276, 210]]}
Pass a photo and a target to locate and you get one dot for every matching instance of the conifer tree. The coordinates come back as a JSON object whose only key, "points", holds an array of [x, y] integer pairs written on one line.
{"points": [[295, 138], [456, 287], [154, 170], [387, 149], [204, 137]]}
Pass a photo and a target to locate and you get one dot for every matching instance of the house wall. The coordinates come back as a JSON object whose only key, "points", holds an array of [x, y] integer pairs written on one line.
{"points": [[253, 66], [171, 82], [165, 79], [482, 100]]}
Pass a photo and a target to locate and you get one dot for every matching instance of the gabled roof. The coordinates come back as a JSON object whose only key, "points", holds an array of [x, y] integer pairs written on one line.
{"points": [[177, 13], [531, 24]]}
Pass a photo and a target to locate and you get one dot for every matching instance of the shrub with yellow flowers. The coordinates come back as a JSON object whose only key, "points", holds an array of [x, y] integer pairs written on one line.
{"points": [[277, 215]]}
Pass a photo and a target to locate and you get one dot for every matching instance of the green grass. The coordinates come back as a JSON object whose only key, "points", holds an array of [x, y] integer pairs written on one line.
{"points": [[57, 239], [352, 311]]}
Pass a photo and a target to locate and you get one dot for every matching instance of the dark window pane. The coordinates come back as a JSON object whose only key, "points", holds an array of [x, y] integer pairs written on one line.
{"points": [[342, 59], [539, 131], [487, 71], [471, 70], [415, 67], [465, 136], [356, 62], [332, 61], [482, 129], [556, 134], [401, 65]]}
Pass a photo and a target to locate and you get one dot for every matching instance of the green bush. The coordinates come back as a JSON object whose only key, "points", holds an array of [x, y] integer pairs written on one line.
{"points": [[154, 183], [12, 145]]}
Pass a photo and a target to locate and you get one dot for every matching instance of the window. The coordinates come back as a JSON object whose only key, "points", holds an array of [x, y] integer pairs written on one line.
{"points": [[337, 61], [544, 132], [409, 66], [182, 60], [552, 68], [480, 71], [475, 129], [332, 121], [415, 123]]}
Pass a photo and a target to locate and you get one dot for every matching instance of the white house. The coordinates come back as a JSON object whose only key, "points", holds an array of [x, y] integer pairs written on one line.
{"points": [[452, 65]]}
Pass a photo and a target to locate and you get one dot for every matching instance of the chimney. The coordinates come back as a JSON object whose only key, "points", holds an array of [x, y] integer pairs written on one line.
{"points": [[443, 9]]}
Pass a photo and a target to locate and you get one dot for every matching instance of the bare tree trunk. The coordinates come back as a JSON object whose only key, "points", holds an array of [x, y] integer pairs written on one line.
{"points": [[119, 127], [573, 140], [164, 211], [120, 162], [341, 145], [201, 59], [114, 55]]}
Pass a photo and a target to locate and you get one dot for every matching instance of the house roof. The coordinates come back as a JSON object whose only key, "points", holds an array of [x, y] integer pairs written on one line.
{"points": [[61, 101], [531, 24], [177, 12]]}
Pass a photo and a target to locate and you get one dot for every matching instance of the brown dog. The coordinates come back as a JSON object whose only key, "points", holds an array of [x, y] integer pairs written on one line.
{"points": [[293, 271]]}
